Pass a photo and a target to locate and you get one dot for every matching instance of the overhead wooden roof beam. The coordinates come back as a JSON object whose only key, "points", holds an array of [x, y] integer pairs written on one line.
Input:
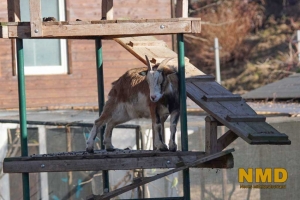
{"points": [[103, 28]]}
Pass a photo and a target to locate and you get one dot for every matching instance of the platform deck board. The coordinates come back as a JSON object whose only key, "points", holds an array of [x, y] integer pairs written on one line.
{"points": [[103, 160]]}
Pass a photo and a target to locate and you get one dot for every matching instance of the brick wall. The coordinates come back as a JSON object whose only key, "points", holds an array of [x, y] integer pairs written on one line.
{"points": [[79, 87]]}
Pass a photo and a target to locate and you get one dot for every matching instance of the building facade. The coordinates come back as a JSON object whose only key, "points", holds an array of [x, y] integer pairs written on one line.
{"points": [[62, 73]]}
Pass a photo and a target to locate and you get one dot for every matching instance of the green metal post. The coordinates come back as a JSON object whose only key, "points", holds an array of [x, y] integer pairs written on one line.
{"points": [[100, 84], [22, 114], [183, 113]]}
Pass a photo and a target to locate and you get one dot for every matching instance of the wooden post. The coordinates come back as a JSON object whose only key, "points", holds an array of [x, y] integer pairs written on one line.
{"points": [[182, 8], [181, 11], [36, 18], [69, 149], [107, 9], [13, 11], [211, 132]]}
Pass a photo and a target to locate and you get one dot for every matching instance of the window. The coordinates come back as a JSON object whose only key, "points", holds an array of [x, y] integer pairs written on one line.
{"points": [[45, 56]]}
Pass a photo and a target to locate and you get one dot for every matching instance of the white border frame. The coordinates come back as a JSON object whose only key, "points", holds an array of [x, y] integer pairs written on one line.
{"points": [[59, 69]]}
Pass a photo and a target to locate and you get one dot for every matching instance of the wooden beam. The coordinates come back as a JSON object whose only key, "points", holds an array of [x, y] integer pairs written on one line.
{"points": [[146, 180], [226, 139], [151, 51], [117, 29], [104, 28], [196, 26], [245, 118], [182, 8], [13, 10], [14, 15], [201, 78], [36, 18], [102, 160], [211, 132], [224, 97], [107, 9]]}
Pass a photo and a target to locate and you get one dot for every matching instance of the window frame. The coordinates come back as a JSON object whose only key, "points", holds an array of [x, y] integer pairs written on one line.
{"points": [[53, 69]]}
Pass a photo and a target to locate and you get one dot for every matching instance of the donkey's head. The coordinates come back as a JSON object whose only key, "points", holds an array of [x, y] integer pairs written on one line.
{"points": [[158, 78]]}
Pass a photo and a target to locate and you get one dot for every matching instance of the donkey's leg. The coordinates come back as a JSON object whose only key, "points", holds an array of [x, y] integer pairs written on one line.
{"points": [[158, 131], [90, 141], [173, 126], [97, 125], [107, 136], [118, 118]]}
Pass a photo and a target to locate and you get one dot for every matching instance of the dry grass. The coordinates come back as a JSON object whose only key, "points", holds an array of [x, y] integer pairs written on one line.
{"points": [[228, 20]]}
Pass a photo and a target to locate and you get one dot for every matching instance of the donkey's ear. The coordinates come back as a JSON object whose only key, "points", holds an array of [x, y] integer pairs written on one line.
{"points": [[143, 73]]}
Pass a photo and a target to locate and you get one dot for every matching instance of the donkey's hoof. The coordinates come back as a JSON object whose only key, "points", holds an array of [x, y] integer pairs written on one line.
{"points": [[109, 148], [173, 147], [163, 147], [89, 150]]}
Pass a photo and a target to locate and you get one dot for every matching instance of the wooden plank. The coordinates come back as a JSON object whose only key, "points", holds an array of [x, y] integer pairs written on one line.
{"points": [[117, 29], [155, 53], [211, 133], [218, 111], [13, 10], [158, 43], [182, 8], [118, 160], [14, 15], [196, 26], [222, 97], [201, 78], [36, 18], [235, 108], [251, 132], [105, 28], [4, 32], [226, 139], [107, 9], [245, 118], [146, 180], [212, 88]]}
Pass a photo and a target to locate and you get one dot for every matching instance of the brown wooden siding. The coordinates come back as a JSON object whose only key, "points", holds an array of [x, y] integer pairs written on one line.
{"points": [[79, 87]]}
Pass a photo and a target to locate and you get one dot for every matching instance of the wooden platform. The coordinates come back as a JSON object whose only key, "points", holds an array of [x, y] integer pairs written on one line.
{"points": [[232, 111], [104, 28], [145, 180], [156, 50], [103, 160]]}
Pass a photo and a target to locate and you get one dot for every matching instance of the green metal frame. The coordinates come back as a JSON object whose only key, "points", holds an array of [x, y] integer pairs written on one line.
{"points": [[183, 113], [22, 114], [101, 102]]}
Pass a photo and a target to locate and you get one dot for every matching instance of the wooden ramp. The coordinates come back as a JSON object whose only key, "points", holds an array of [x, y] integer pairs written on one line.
{"points": [[232, 111], [156, 50], [229, 109]]}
